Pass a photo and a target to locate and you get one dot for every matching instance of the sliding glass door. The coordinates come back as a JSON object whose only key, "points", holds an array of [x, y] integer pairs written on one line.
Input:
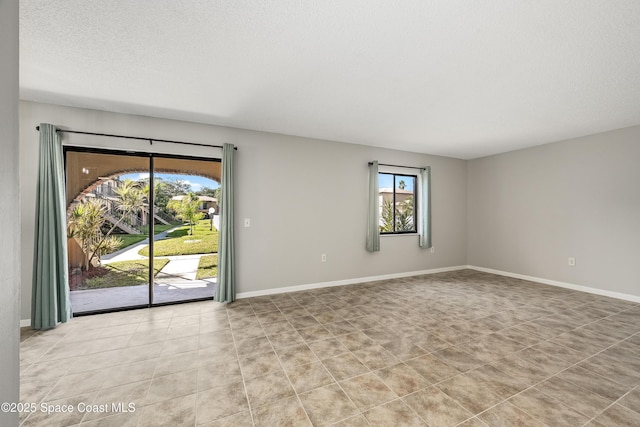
{"points": [[187, 197], [141, 229]]}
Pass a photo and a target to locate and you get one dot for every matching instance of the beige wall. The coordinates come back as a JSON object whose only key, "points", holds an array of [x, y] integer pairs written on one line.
{"points": [[9, 217], [304, 197], [530, 210], [522, 212]]}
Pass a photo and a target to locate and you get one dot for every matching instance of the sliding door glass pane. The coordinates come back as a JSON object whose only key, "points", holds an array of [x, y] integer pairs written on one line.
{"points": [[107, 221], [186, 221]]}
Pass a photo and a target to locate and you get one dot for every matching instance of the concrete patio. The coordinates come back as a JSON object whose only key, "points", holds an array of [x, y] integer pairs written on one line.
{"points": [[174, 283], [164, 291]]}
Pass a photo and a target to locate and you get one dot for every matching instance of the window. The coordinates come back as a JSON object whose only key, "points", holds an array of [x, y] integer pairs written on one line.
{"points": [[397, 201]]}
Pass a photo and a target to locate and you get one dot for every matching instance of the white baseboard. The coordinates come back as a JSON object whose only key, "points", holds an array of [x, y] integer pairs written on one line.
{"points": [[27, 322], [618, 295], [273, 291], [306, 287]]}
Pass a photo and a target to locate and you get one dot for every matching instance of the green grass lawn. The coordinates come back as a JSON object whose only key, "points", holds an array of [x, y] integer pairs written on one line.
{"points": [[208, 267], [131, 239], [179, 241], [158, 228], [124, 273]]}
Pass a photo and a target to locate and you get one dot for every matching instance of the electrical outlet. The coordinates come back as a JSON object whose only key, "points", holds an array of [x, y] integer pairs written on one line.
{"points": [[323, 258], [247, 222], [572, 261], [433, 249]]}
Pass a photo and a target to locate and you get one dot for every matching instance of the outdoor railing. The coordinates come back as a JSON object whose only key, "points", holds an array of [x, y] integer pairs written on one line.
{"points": [[130, 220], [164, 215]]}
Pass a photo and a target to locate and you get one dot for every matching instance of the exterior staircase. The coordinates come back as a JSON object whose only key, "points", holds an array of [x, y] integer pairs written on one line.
{"points": [[129, 229], [113, 215], [163, 217]]}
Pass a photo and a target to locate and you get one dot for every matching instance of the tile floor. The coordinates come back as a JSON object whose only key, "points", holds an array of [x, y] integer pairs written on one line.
{"points": [[461, 348]]}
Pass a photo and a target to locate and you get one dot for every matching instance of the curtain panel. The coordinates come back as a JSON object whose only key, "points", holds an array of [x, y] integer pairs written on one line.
{"points": [[50, 303], [425, 208], [373, 212], [226, 282]]}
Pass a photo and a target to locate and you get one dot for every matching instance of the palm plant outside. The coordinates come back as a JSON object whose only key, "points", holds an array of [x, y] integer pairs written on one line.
{"points": [[386, 218], [146, 188], [130, 200], [187, 209], [88, 218], [403, 217], [85, 224]]}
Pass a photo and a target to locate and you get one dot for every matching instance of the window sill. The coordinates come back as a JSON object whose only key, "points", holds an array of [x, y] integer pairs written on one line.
{"points": [[399, 234]]}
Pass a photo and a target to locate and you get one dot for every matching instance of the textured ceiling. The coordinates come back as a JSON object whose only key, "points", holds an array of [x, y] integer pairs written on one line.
{"points": [[455, 78]]}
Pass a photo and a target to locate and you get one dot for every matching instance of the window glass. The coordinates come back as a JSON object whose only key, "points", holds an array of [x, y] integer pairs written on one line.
{"points": [[397, 201]]}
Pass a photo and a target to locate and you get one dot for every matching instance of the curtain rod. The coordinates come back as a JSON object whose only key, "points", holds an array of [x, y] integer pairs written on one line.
{"points": [[151, 140], [397, 166]]}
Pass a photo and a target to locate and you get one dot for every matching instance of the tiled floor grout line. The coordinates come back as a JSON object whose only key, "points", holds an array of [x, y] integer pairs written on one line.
{"points": [[286, 374], [636, 388], [360, 412], [340, 385], [515, 353], [146, 395], [533, 386], [244, 382], [609, 406], [401, 398], [346, 299], [319, 360], [616, 402], [551, 376], [50, 348], [65, 374]]}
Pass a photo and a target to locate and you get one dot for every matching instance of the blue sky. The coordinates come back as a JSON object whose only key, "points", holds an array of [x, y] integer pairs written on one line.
{"points": [[386, 181], [197, 182]]}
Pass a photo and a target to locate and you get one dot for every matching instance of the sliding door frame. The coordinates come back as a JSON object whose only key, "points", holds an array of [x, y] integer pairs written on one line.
{"points": [[151, 220]]}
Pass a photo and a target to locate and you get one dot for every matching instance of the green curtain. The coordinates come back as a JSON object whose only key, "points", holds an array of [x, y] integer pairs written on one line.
{"points": [[373, 210], [226, 283], [50, 297], [425, 208]]}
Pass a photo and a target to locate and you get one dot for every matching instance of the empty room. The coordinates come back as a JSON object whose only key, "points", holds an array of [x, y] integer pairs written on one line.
{"points": [[349, 213]]}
